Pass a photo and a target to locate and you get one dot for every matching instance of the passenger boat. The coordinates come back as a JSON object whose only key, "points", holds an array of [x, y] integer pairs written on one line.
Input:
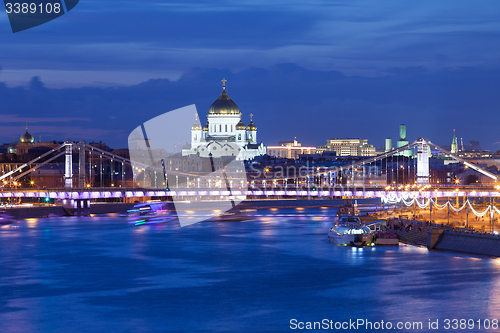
{"points": [[151, 213], [162, 212], [349, 231]]}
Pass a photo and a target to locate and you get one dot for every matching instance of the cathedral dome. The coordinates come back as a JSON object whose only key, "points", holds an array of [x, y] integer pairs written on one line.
{"points": [[224, 105], [27, 138], [240, 126], [251, 126], [205, 128], [196, 125]]}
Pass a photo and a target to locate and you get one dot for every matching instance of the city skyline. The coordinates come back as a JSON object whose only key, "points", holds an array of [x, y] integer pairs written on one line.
{"points": [[113, 130], [222, 166]]}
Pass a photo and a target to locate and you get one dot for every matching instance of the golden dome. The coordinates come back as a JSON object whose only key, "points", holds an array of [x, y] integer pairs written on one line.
{"points": [[196, 125], [205, 128], [224, 105], [240, 126], [26, 137], [251, 126]]}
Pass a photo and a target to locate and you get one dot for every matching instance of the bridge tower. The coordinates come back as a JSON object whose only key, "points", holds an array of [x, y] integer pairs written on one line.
{"points": [[422, 161], [81, 164], [68, 174]]}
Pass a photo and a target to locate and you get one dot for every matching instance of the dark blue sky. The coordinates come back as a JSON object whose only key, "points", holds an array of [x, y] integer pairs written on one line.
{"points": [[312, 70]]}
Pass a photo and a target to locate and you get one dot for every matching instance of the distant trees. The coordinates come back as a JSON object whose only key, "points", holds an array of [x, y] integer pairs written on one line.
{"points": [[471, 179], [492, 167]]}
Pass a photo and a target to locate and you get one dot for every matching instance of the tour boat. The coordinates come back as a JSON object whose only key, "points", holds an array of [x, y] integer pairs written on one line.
{"points": [[161, 212], [349, 231], [151, 213]]}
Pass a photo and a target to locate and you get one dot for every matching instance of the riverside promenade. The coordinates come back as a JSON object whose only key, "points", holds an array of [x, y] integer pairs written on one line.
{"points": [[445, 237]]}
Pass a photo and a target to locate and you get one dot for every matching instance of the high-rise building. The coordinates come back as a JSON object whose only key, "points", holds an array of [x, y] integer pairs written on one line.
{"points": [[388, 144], [403, 141]]}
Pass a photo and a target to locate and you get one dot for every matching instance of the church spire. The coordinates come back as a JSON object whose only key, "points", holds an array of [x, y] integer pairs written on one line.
{"points": [[196, 126], [454, 145], [224, 84]]}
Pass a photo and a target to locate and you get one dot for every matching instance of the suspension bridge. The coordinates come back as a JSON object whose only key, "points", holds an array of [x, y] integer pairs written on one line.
{"points": [[390, 176]]}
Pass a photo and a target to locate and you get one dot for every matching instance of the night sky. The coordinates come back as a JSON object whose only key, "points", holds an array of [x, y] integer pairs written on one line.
{"points": [[311, 69]]}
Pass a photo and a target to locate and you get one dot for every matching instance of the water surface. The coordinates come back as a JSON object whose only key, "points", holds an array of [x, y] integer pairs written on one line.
{"points": [[100, 274]]}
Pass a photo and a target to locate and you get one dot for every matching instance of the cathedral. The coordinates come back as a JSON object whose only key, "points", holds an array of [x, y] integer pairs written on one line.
{"points": [[225, 134]]}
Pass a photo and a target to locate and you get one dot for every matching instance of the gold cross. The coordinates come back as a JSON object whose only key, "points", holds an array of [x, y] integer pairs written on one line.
{"points": [[251, 115], [224, 83]]}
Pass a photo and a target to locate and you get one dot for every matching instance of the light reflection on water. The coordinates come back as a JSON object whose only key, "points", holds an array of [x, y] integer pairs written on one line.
{"points": [[100, 273]]}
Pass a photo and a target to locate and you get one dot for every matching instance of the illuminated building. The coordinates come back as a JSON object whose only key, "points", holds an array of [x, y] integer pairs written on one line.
{"points": [[349, 147], [289, 149], [388, 144], [454, 145], [403, 141], [225, 134]]}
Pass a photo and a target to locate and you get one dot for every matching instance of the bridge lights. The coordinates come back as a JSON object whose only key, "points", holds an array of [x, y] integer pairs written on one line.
{"points": [[314, 188]]}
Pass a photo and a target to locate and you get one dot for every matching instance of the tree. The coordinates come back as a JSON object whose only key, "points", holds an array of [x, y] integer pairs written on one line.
{"points": [[471, 179], [492, 167]]}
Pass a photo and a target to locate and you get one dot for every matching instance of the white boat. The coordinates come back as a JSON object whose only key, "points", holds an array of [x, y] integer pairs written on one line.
{"points": [[349, 231], [151, 213]]}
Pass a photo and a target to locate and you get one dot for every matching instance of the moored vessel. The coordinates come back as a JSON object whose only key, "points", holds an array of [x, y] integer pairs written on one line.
{"points": [[349, 231]]}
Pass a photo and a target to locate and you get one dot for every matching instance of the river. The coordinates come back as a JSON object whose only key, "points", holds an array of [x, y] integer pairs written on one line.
{"points": [[269, 274]]}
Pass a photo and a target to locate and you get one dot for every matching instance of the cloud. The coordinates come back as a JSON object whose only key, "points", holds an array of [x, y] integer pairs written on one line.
{"points": [[59, 133], [287, 101], [13, 118], [134, 41]]}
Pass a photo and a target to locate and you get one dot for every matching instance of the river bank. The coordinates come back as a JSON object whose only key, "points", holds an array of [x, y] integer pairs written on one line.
{"points": [[107, 208]]}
